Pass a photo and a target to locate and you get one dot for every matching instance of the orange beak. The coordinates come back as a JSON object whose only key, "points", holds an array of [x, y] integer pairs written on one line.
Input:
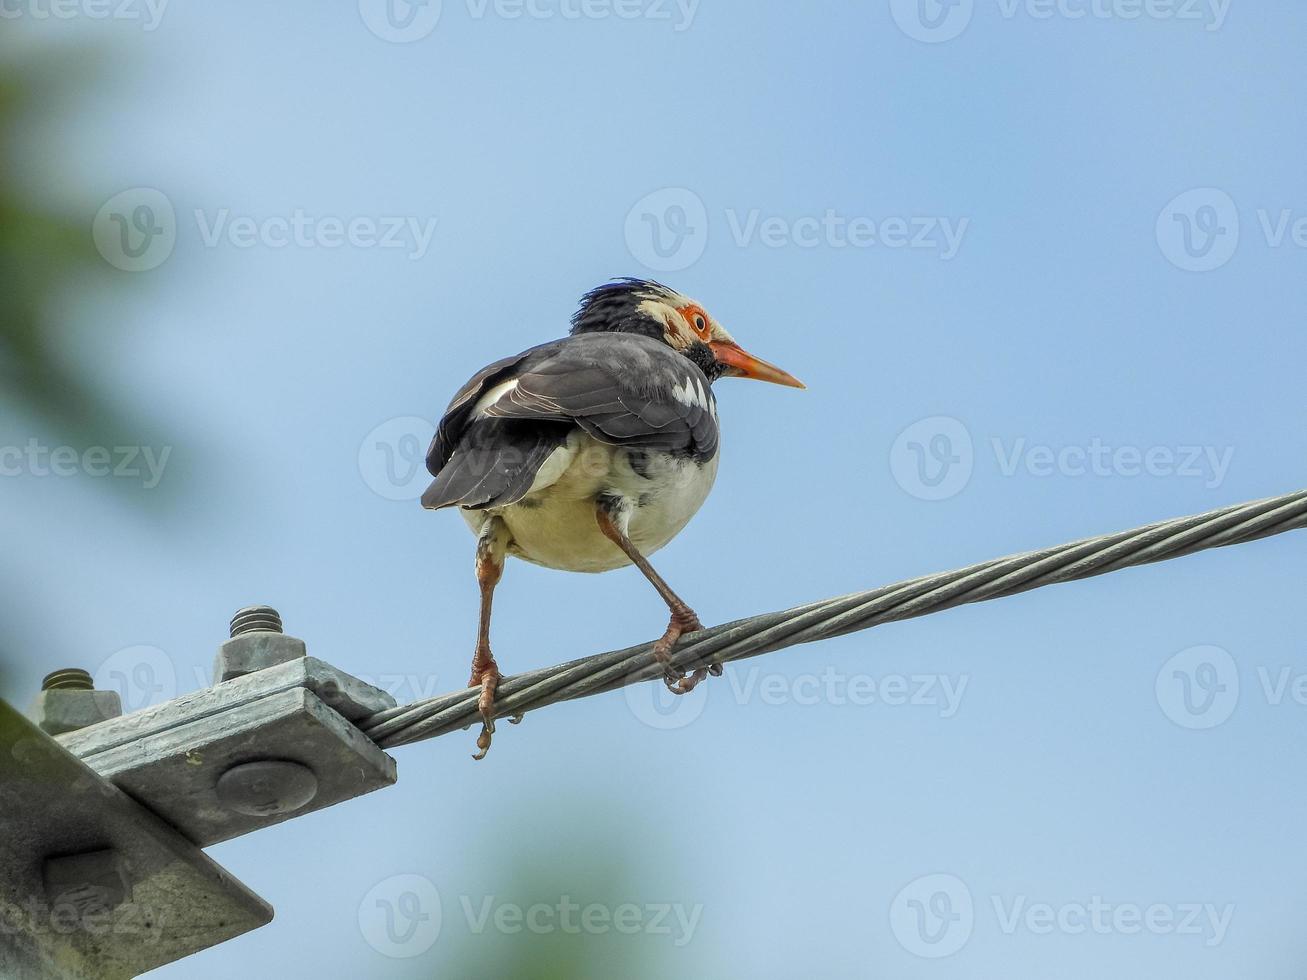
{"points": [[741, 364]]}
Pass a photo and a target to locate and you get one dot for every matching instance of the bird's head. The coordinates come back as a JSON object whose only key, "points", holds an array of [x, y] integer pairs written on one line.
{"points": [[654, 310]]}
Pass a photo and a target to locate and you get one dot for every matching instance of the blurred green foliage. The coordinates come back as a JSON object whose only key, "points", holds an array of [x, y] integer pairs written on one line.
{"points": [[42, 254], [594, 870], [47, 258]]}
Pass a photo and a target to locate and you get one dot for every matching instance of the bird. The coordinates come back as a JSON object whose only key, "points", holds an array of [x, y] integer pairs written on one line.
{"points": [[591, 452]]}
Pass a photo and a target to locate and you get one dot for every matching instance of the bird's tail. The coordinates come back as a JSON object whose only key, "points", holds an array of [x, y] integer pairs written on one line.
{"points": [[495, 464]]}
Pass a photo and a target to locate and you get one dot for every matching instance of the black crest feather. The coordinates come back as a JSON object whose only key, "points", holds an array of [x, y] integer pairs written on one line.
{"points": [[614, 307]]}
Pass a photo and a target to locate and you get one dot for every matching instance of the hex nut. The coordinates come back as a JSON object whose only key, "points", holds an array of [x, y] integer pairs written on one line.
{"points": [[60, 711], [249, 652], [91, 883]]}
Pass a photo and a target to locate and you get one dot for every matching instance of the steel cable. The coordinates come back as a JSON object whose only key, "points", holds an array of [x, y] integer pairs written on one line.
{"points": [[847, 614]]}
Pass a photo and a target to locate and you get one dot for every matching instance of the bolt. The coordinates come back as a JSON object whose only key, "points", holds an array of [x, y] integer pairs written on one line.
{"points": [[68, 679], [257, 642], [69, 701], [267, 788], [256, 619]]}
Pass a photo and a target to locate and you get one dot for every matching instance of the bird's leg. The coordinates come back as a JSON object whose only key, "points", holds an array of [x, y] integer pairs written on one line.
{"points": [[610, 516], [491, 546]]}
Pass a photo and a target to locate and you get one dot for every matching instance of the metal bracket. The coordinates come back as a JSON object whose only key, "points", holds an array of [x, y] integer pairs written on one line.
{"points": [[93, 886], [246, 753], [101, 876]]}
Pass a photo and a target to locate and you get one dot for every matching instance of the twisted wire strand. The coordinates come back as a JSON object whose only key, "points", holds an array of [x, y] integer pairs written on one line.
{"points": [[827, 618]]}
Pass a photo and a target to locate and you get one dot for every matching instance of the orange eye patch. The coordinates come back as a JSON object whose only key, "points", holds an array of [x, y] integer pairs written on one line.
{"points": [[697, 319]]}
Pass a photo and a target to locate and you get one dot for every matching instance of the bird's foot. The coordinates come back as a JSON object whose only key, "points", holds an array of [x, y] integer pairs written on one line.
{"points": [[683, 621], [689, 682], [488, 678]]}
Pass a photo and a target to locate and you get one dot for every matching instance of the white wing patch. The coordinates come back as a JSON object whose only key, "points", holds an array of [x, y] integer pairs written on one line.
{"points": [[690, 393], [491, 396]]}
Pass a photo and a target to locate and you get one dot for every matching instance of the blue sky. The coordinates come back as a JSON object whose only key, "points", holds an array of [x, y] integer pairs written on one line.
{"points": [[1040, 266]]}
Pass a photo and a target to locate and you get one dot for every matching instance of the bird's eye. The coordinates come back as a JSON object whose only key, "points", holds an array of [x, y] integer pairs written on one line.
{"points": [[700, 323]]}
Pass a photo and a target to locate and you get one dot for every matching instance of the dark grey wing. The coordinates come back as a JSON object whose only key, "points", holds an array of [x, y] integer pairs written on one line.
{"points": [[622, 389], [481, 462], [459, 413], [495, 463]]}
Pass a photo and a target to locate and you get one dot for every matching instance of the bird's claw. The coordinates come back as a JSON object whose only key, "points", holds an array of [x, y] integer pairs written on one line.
{"points": [[678, 681], [488, 733], [691, 681], [483, 741], [488, 678]]}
